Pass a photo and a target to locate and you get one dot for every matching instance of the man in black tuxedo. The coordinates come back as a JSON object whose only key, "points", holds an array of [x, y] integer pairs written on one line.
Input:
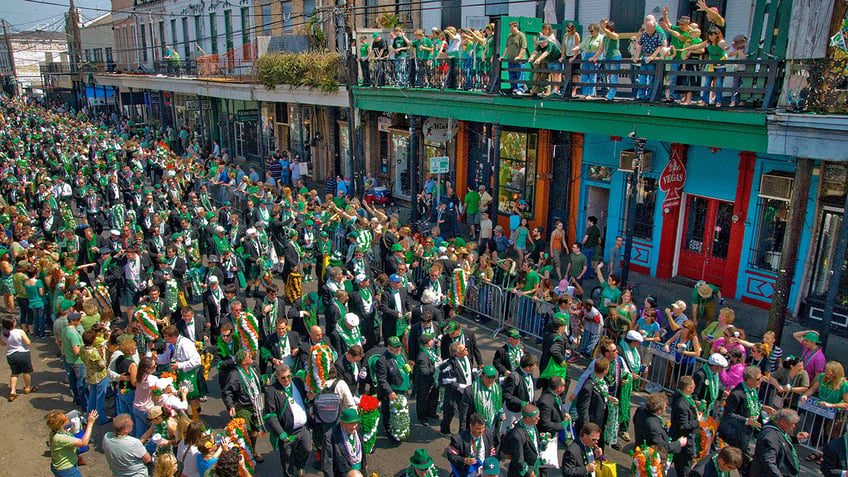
{"points": [[522, 444], [454, 375], [193, 325], [580, 456], [835, 457], [392, 377], [286, 418], [359, 265], [426, 326], [737, 427], [649, 427], [393, 305], [363, 302], [455, 334], [471, 447], [269, 309], [727, 460], [426, 392], [592, 405], [279, 347], [339, 455], [349, 368], [684, 423], [519, 388], [508, 356], [550, 406], [215, 307], [775, 454]]}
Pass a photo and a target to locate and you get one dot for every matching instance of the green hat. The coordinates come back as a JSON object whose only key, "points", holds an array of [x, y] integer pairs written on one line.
{"points": [[313, 298], [376, 34], [451, 326], [397, 248], [425, 337], [292, 233], [359, 250], [66, 305], [813, 337], [490, 371], [349, 416], [513, 333], [530, 414], [491, 466], [560, 319], [210, 215], [394, 341], [240, 356], [308, 222], [459, 242], [421, 460], [324, 233], [176, 235]]}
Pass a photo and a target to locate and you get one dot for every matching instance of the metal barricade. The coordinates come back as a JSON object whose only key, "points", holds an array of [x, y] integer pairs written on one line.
{"points": [[668, 366], [526, 314], [486, 300], [823, 423]]}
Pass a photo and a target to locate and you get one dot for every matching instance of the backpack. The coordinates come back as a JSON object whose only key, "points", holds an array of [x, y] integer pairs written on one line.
{"points": [[327, 405]]}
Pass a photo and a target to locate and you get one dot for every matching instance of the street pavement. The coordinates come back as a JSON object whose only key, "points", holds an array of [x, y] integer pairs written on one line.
{"points": [[24, 432]]}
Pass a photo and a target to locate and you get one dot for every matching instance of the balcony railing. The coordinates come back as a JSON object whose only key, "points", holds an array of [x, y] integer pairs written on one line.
{"points": [[739, 83], [817, 86], [205, 67]]}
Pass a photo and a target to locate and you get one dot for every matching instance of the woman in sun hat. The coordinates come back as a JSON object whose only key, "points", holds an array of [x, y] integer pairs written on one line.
{"points": [[813, 355]]}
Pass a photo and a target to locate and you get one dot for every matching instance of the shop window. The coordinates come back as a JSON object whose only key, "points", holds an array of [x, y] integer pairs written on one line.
{"points": [[600, 174], [768, 238], [517, 181], [645, 203], [831, 220]]}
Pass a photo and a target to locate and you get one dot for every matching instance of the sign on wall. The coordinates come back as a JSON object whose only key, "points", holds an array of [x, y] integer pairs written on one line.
{"points": [[439, 130], [672, 179]]}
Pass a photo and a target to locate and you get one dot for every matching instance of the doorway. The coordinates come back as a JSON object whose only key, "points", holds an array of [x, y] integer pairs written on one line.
{"points": [[705, 241], [400, 158], [597, 204], [239, 134]]}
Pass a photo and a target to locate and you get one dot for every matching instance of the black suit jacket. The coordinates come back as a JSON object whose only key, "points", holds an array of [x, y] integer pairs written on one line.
{"points": [[345, 371], [552, 347], [415, 333], [773, 455], [388, 374], [271, 347], [519, 446], [591, 406], [460, 448], [835, 457], [214, 311], [732, 427], [684, 418], [704, 468], [389, 311], [573, 460], [470, 344], [334, 457], [200, 330], [550, 413], [501, 360], [271, 320], [651, 432], [515, 392], [278, 413]]}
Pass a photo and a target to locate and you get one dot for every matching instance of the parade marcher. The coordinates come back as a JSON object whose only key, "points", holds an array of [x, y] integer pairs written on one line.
{"points": [[485, 397], [453, 333], [775, 454], [363, 302], [350, 369], [553, 418], [394, 307], [470, 448], [593, 398], [215, 307], [581, 456], [519, 389], [185, 362], [835, 457], [707, 385], [343, 449], [426, 325], [455, 374], [336, 310], [424, 376], [523, 445], [269, 309], [719, 463], [508, 357], [346, 334], [242, 395], [393, 377], [743, 414], [421, 465], [280, 347], [286, 416], [684, 423], [649, 428]]}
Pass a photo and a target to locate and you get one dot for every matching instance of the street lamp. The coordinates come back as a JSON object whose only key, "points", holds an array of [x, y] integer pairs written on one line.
{"points": [[631, 202]]}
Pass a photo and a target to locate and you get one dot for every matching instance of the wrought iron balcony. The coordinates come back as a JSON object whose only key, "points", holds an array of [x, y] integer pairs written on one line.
{"points": [[817, 86]]}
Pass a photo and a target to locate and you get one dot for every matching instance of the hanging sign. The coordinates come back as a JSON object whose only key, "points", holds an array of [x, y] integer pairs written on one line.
{"points": [[672, 179], [439, 130]]}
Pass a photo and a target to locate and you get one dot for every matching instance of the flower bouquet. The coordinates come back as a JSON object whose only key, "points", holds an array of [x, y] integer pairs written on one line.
{"points": [[399, 419], [369, 415], [236, 430], [648, 462], [706, 436]]}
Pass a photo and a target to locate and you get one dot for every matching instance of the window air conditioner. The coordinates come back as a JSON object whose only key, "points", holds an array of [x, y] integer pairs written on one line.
{"points": [[776, 185]]}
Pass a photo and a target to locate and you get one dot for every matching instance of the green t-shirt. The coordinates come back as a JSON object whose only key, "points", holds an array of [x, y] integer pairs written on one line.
{"points": [[611, 48], [677, 44], [610, 296], [71, 338], [531, 281], [420, 53], [552, 49], [578, 261], [88, 321], [400, 42], [593, 237], [363, 51], [828, 395], [63, 453], [472, 202]]}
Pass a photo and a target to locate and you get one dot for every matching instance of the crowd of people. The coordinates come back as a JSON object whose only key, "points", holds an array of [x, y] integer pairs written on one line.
{"points": [[181, 282], [462, 59]]}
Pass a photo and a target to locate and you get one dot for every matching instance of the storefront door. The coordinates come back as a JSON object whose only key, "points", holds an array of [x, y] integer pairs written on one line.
{"points": [[400, 159], [705, 240]]}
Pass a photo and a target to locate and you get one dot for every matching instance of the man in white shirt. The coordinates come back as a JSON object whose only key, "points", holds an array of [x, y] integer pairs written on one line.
{"points": [[285, 416], [185, 361]]}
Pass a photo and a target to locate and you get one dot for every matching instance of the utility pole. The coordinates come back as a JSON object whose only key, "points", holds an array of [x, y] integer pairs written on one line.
{"points": [[631, 206], [9, 49], [344, 31], [789, 254]]}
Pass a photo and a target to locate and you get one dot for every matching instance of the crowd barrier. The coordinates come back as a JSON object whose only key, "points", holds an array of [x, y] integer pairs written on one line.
{"points": [[486, 300], [526, 314]]}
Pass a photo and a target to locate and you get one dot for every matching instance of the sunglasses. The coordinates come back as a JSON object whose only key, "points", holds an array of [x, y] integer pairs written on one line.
{"points": [[288, 376], [227, 336]]}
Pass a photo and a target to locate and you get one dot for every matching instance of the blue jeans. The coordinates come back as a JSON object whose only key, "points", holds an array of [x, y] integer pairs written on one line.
{"points": [[76, 380], [672, 80], [646, 80], [588, 342], [124, 402], [708, 84], [97, 400], [39, 319], [515, 77], [612, 78], [589, 252], [72, 472], [588, 77], [139, 423]]}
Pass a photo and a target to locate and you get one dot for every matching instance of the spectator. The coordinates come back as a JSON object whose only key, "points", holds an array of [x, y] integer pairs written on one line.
{"points": [[515, 54], [813, 355], [472, 211], [125, 454], [571, 46], [591, 48], [791, 381], [716, 50], [591, 241], [610, 51], [615, 256], [648, 48], [64, 460], [737, 52]]}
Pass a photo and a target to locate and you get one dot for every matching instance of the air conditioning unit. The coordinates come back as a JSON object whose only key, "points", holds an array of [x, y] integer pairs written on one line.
{"points": [[776, 185], [627, 156]]}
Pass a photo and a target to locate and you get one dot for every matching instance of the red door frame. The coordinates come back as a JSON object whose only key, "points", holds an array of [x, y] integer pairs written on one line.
{"points": [[702, 265]]}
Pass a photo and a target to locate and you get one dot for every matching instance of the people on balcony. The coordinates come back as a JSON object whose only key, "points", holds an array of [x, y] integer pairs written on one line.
{"points": [[716, 50], [515, 54], [648, 49], [570, 40], [609, 51], [590, 47]]}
